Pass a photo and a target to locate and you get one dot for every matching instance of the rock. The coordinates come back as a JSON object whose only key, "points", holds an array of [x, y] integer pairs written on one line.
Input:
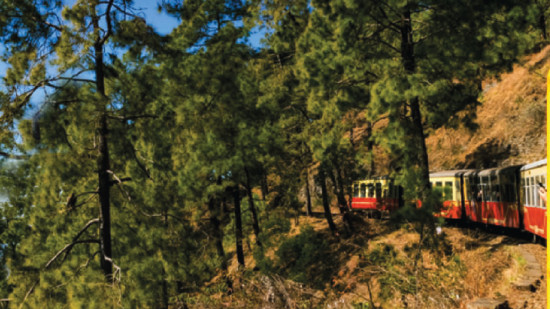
{"points": [[487, 303], [530, 280]]}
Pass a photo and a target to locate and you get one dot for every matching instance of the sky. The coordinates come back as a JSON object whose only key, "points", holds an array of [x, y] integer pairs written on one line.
{"points": [[162, 23]]}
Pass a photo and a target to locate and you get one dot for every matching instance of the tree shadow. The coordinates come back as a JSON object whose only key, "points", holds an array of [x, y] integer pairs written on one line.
{"points": [[489, 155]]}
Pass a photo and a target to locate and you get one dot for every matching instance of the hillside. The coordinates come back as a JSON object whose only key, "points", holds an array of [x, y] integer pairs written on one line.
{"points": [[377, 266], [511, 119]]}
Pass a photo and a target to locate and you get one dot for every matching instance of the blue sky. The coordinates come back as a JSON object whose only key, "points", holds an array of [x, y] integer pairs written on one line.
{"points": [[162, 23]]}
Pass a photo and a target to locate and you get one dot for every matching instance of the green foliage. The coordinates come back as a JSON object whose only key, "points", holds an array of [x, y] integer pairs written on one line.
{"points": [[305, 258], [194, 115]]}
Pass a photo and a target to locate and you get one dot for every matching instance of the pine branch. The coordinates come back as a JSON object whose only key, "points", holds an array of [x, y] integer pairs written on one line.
{"points": [[119, 182], [108, 21], [134, 117]]}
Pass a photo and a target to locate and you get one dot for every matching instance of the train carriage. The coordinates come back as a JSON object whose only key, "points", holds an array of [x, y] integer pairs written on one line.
{"points": [[507, 197], [450, 185], [493, 196], [376, 195], [534, 209]]}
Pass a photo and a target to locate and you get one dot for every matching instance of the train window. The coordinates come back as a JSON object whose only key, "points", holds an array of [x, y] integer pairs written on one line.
{"points": [[483, 193], [363, 189], [378, 190], [525, 191], [505, 193], [543, 181], [391, 189], [371, 190], [530, 191], [536, 196], [356, 190], [495, 193], [534, 192], [457, 190], [513, 193], [448, 191], [473, 191]]}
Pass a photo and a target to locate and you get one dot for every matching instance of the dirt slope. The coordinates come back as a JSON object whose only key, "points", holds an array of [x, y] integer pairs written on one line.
{"points": [[511, 119]]}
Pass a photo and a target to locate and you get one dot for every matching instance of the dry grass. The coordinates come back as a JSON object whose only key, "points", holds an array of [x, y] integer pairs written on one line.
{"points": [[377, 264], [511, 121]]}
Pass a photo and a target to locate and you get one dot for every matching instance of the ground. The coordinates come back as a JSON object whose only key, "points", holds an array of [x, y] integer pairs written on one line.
{"points": [[379, 264]]}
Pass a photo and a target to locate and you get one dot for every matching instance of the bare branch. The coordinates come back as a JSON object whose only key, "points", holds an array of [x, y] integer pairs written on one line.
{"points": [[93, 221], [68, 248], [117, 274], [119, 182], [109, 24]]}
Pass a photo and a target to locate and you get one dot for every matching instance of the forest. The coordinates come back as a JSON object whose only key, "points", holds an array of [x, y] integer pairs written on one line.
{"points": [[148, 170]]}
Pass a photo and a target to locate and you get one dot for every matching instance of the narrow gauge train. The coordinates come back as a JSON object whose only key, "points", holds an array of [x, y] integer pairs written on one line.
{"points": [[505, 196]]}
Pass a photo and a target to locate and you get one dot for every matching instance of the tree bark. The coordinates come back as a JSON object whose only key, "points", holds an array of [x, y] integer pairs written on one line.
{"points": [[409, 64], [103, 160], [308, 195], [214, 210], [255, 222], [342, 206], [326, 206], [238, 226], [542, 26]]}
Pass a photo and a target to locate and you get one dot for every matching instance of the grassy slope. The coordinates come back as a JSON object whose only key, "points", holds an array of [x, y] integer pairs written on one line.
{"points": [[378, 263]]}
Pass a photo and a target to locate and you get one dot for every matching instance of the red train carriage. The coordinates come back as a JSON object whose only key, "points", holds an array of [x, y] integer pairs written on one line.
{"points": [[493, 196], [375, 195], [505, 197], [534, 209], [450, 185]]}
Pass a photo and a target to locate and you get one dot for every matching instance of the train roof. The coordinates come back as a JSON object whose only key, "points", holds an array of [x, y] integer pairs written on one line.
{"points": [[533, 165], [449, 173], [384, 177], [499, 170]]}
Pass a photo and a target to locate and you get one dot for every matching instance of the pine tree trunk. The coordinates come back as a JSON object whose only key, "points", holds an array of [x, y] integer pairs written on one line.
{"points": [[218, 239], [326, 206], [542, 26], [342, 206], [308, 195], [103, 163], [342, 196], [408, 60], [238, 226], [370, 147], [255, 222]]}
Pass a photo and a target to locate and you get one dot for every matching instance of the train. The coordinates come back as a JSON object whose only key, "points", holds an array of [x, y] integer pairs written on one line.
{"points": [[507, 196]]}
